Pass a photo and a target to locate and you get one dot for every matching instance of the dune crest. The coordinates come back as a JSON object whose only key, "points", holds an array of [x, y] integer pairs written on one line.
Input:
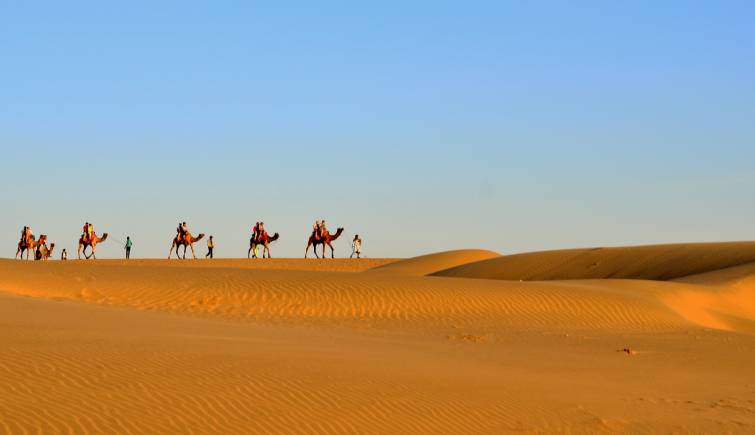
{"points": [[654, 262], [430, 263]]}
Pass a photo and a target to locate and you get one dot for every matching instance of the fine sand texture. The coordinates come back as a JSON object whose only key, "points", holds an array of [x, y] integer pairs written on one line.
{"points": [[612, 340]]}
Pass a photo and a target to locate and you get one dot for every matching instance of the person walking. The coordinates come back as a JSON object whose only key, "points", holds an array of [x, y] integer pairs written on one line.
{"points": [[128, 246], [210, 247], [64, 255], [356, 247]]}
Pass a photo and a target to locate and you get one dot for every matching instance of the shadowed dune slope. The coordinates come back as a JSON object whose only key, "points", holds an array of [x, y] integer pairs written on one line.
{"points": [[427, 264], [655, 262], [735, 277]]}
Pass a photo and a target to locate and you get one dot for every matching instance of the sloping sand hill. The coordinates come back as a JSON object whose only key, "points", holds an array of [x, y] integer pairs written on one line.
{"points": [[658, 262], [427, 264], [295, 346]]}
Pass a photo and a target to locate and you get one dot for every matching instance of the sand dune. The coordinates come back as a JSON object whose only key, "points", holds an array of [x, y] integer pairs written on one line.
{"points": [[658, 262], [328, 265], [308, 346], [427, 264]]}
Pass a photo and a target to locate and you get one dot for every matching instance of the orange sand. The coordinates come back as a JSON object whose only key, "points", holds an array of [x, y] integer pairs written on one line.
{"points": [[323, 346]]}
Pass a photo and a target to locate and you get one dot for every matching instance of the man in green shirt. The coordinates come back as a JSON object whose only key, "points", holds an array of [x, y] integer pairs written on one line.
{"points": [[128, 246]]}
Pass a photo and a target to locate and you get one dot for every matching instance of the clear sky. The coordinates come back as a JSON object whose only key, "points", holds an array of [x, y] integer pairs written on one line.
{"points": [[422, 126]]}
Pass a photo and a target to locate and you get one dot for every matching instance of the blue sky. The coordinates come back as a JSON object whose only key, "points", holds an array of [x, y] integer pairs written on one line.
{"points": [[422, 126]]}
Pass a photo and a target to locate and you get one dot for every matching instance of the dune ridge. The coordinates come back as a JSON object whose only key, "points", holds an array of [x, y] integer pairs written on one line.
{"points": [[653, 262], [430, 263]]}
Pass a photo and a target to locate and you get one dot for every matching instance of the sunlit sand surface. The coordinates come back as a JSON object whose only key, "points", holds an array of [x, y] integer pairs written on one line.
{"points": [[642, 339]]}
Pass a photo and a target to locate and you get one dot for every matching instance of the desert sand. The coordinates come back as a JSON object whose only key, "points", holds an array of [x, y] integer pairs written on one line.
{"points": [[603, 340]]}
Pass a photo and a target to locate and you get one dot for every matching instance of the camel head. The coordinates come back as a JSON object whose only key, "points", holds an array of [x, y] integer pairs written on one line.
{"points": [[104, 237], [199, 237]]}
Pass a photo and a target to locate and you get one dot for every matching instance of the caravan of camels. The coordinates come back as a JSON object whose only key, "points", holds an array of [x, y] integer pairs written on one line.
{"points": [[260, 238]]}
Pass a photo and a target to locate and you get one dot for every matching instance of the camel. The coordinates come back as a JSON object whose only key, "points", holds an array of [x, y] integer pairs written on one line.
{"points": [[188, 240], [43, 252], [325, 239], [26, 245], [85, 242], [265, 241]]}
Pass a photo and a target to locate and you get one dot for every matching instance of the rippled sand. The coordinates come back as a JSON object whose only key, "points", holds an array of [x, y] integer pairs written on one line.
{"points": [[642, 339]]}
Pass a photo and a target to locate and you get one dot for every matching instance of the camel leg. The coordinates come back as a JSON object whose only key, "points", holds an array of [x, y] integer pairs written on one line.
{"points": [[192, 251], [323, 249], [332, 251], [173, 245], [249, 252], [307, 250], [78, 252]]}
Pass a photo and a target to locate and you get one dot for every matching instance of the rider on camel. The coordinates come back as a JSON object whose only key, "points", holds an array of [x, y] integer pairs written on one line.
{"points": [[261, 231], [88, 232], [256, 231], [316, 229], [26, 235], [323, 229], [182, 230]]}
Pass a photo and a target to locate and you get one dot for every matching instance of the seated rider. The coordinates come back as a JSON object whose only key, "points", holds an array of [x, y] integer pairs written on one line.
{"points": [[256, 231], [261, 231], [23, 234], [316, 229], [323, 229]]}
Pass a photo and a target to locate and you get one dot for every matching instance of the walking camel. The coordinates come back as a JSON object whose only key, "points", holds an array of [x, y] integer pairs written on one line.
{"points": [[85, 242], [25, 245], [29, 245], [186, 240], [263, 240], [325, 239]]}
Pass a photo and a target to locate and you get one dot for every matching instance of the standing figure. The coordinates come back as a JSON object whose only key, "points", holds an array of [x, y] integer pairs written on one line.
{"points": [[210, 247], [64, 255], [356, 247], [128, 246]]}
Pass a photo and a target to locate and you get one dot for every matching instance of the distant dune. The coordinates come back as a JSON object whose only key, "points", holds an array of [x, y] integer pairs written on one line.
{"points": [[611, 340], [427, 264], [658, 262]]}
